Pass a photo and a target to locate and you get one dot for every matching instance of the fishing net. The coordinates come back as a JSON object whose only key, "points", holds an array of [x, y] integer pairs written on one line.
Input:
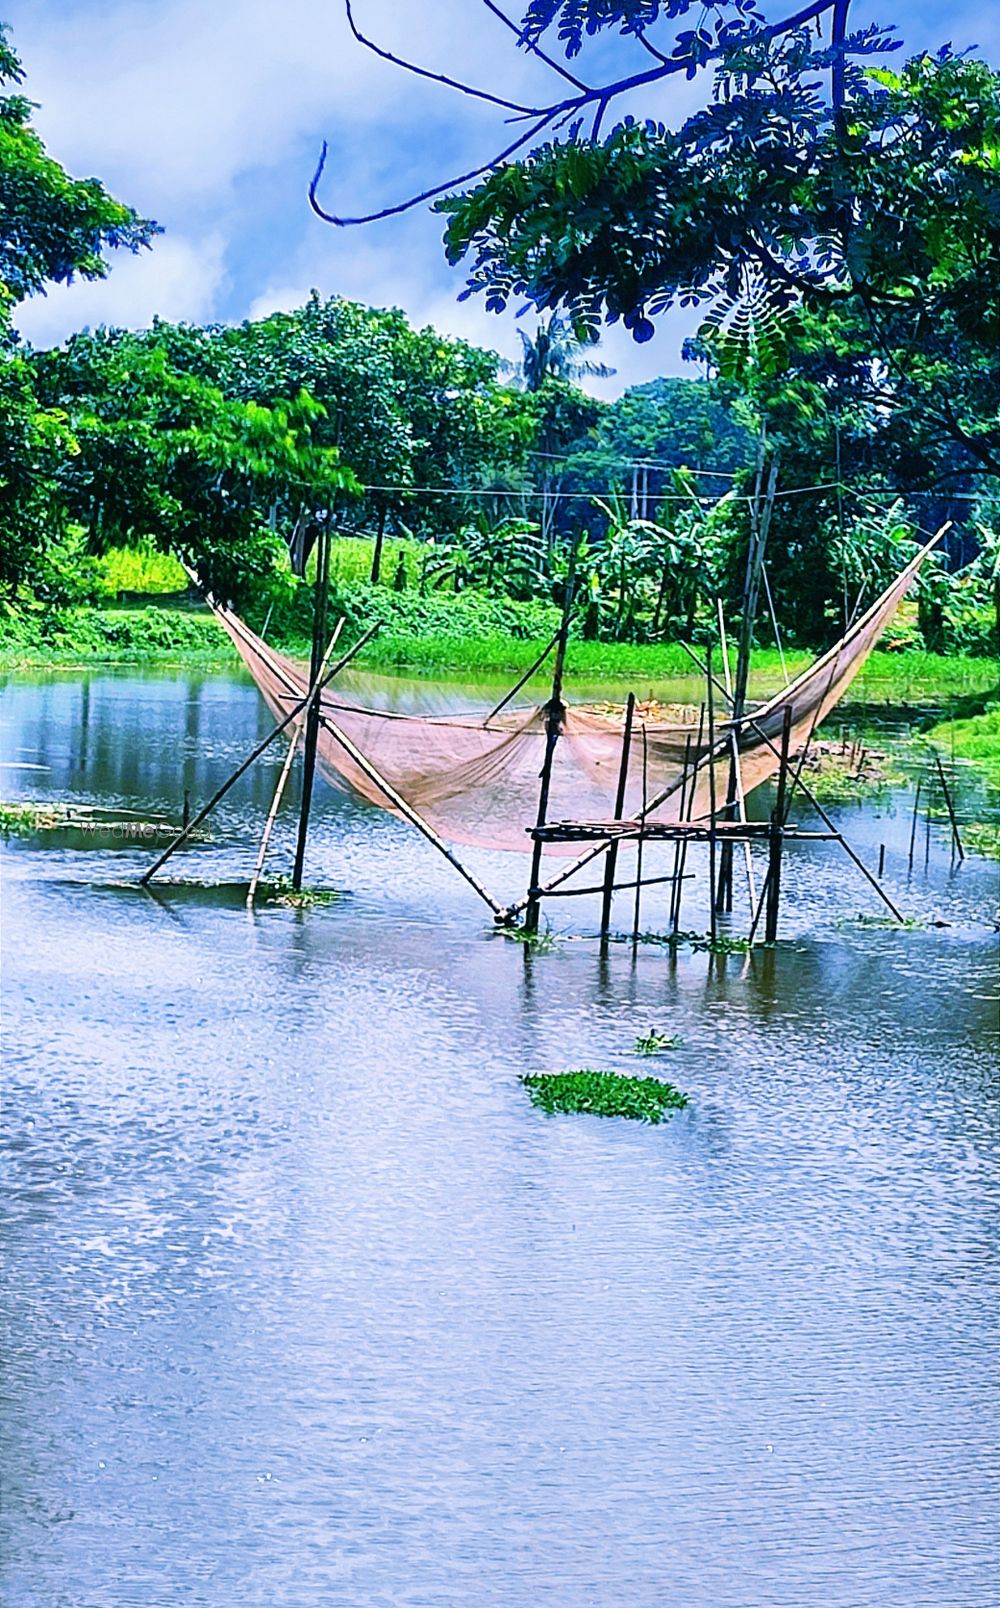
{"points": [[476, 781]]}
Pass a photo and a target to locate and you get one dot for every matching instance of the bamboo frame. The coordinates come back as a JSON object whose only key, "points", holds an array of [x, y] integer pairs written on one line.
{"points": [[296, 710]]}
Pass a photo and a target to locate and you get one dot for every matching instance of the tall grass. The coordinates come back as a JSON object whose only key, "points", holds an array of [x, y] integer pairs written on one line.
{"points": [[141, 570], [976, 739], [351, 560]]}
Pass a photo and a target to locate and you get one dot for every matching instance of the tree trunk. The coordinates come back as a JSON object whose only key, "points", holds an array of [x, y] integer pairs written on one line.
{"points": [[377, 554]]}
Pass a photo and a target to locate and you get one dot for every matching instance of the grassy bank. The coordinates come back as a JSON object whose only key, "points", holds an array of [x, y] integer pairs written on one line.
{"points": [[976, 739], [461, 637]]}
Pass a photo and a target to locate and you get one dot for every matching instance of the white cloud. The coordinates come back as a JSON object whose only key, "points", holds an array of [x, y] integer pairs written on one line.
{"points": [[185, 96], [179, 279], [208, 117]]}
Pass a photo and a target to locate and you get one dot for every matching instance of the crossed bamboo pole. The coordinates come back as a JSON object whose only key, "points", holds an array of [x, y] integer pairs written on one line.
{"points": [[298, 709]]}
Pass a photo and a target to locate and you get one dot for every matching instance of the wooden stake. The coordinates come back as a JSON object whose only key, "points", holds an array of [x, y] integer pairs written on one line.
{"points": [[951, 808], [639, 842], [282, 782], [776, 838], [735, 800], [711, 789], [555, 713], [681, 816], [913, 823], [312, 718], [674, 896], [611, 863]]}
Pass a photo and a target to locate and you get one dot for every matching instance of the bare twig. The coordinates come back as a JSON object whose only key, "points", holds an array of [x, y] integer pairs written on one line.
{"points": [[425, 72], [536, 50], [425, 195]]}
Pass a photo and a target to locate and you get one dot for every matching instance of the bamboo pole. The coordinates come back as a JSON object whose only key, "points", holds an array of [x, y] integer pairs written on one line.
{"points": [[678, 846], [611, 863], [711, 791], [296, 710], [951, 808], [682, 866], [777, 836], [409, 813], [279, 790], [555, 714], [312, 717], [523, 681], [736, 796], [272, 814], [639, 843]]}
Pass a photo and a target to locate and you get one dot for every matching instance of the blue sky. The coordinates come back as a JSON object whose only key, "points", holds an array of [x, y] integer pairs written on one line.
{"points": [[207, 115]]}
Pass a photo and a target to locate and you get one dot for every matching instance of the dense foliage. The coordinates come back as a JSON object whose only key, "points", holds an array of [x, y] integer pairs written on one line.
{"points": [[864, 369]]}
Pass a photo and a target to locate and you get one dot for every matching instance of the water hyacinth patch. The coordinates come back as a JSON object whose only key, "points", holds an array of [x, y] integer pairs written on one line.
{"points": [[604, 1094]]}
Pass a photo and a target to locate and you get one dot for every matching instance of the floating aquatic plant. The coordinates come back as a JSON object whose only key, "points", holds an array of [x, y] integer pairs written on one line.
{"points": [[653, 1043], [604, 1094], [279, 891], [541, 942]]}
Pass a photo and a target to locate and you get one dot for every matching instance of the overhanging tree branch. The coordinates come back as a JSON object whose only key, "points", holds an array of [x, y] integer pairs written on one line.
{"points": [[425, 72], [563, 111], [425, 195]]}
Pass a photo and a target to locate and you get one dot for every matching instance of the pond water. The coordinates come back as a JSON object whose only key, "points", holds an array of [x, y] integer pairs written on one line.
{"points": [[305, 1304]]}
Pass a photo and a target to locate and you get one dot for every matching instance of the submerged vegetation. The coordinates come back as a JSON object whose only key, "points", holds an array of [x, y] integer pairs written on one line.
{"points": [[25, 818], [604, 1094]]}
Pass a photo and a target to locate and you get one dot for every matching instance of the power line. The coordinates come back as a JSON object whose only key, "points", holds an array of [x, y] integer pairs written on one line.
{"points": [[587, 496], [577, 496], [635, 463]]}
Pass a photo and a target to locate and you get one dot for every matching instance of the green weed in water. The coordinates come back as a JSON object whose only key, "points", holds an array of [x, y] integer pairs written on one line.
{"points": [[604, 1094], [653, 1043], [541, 942], [982, 838], [279, 891], [19, 820], [721, 944]]}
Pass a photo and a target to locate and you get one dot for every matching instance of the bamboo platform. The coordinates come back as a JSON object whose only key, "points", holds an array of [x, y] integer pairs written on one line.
{"points": [[670, 832]]}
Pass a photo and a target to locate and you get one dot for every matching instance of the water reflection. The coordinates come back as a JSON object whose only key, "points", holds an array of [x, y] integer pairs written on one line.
{"points": [[307, 1305]]}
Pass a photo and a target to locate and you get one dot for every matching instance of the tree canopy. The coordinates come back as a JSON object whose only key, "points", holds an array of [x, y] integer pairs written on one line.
{"points": [[52, 227]]}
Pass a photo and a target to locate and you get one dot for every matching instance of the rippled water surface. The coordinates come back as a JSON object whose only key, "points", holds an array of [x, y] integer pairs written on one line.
{"points": [[305, 1304]]}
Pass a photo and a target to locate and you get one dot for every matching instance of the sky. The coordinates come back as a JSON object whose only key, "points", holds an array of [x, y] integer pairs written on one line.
{"points": [[208, 115]]}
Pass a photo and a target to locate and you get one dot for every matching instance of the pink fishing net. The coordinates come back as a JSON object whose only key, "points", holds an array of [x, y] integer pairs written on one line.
{"points": [[478, 784]]}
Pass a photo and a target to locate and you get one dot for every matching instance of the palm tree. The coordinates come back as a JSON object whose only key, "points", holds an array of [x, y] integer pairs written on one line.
{"points": [[553, 353]]}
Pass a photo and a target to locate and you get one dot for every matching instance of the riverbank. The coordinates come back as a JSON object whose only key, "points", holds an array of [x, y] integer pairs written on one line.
{"points": [[976, 739], [450, 638]]}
